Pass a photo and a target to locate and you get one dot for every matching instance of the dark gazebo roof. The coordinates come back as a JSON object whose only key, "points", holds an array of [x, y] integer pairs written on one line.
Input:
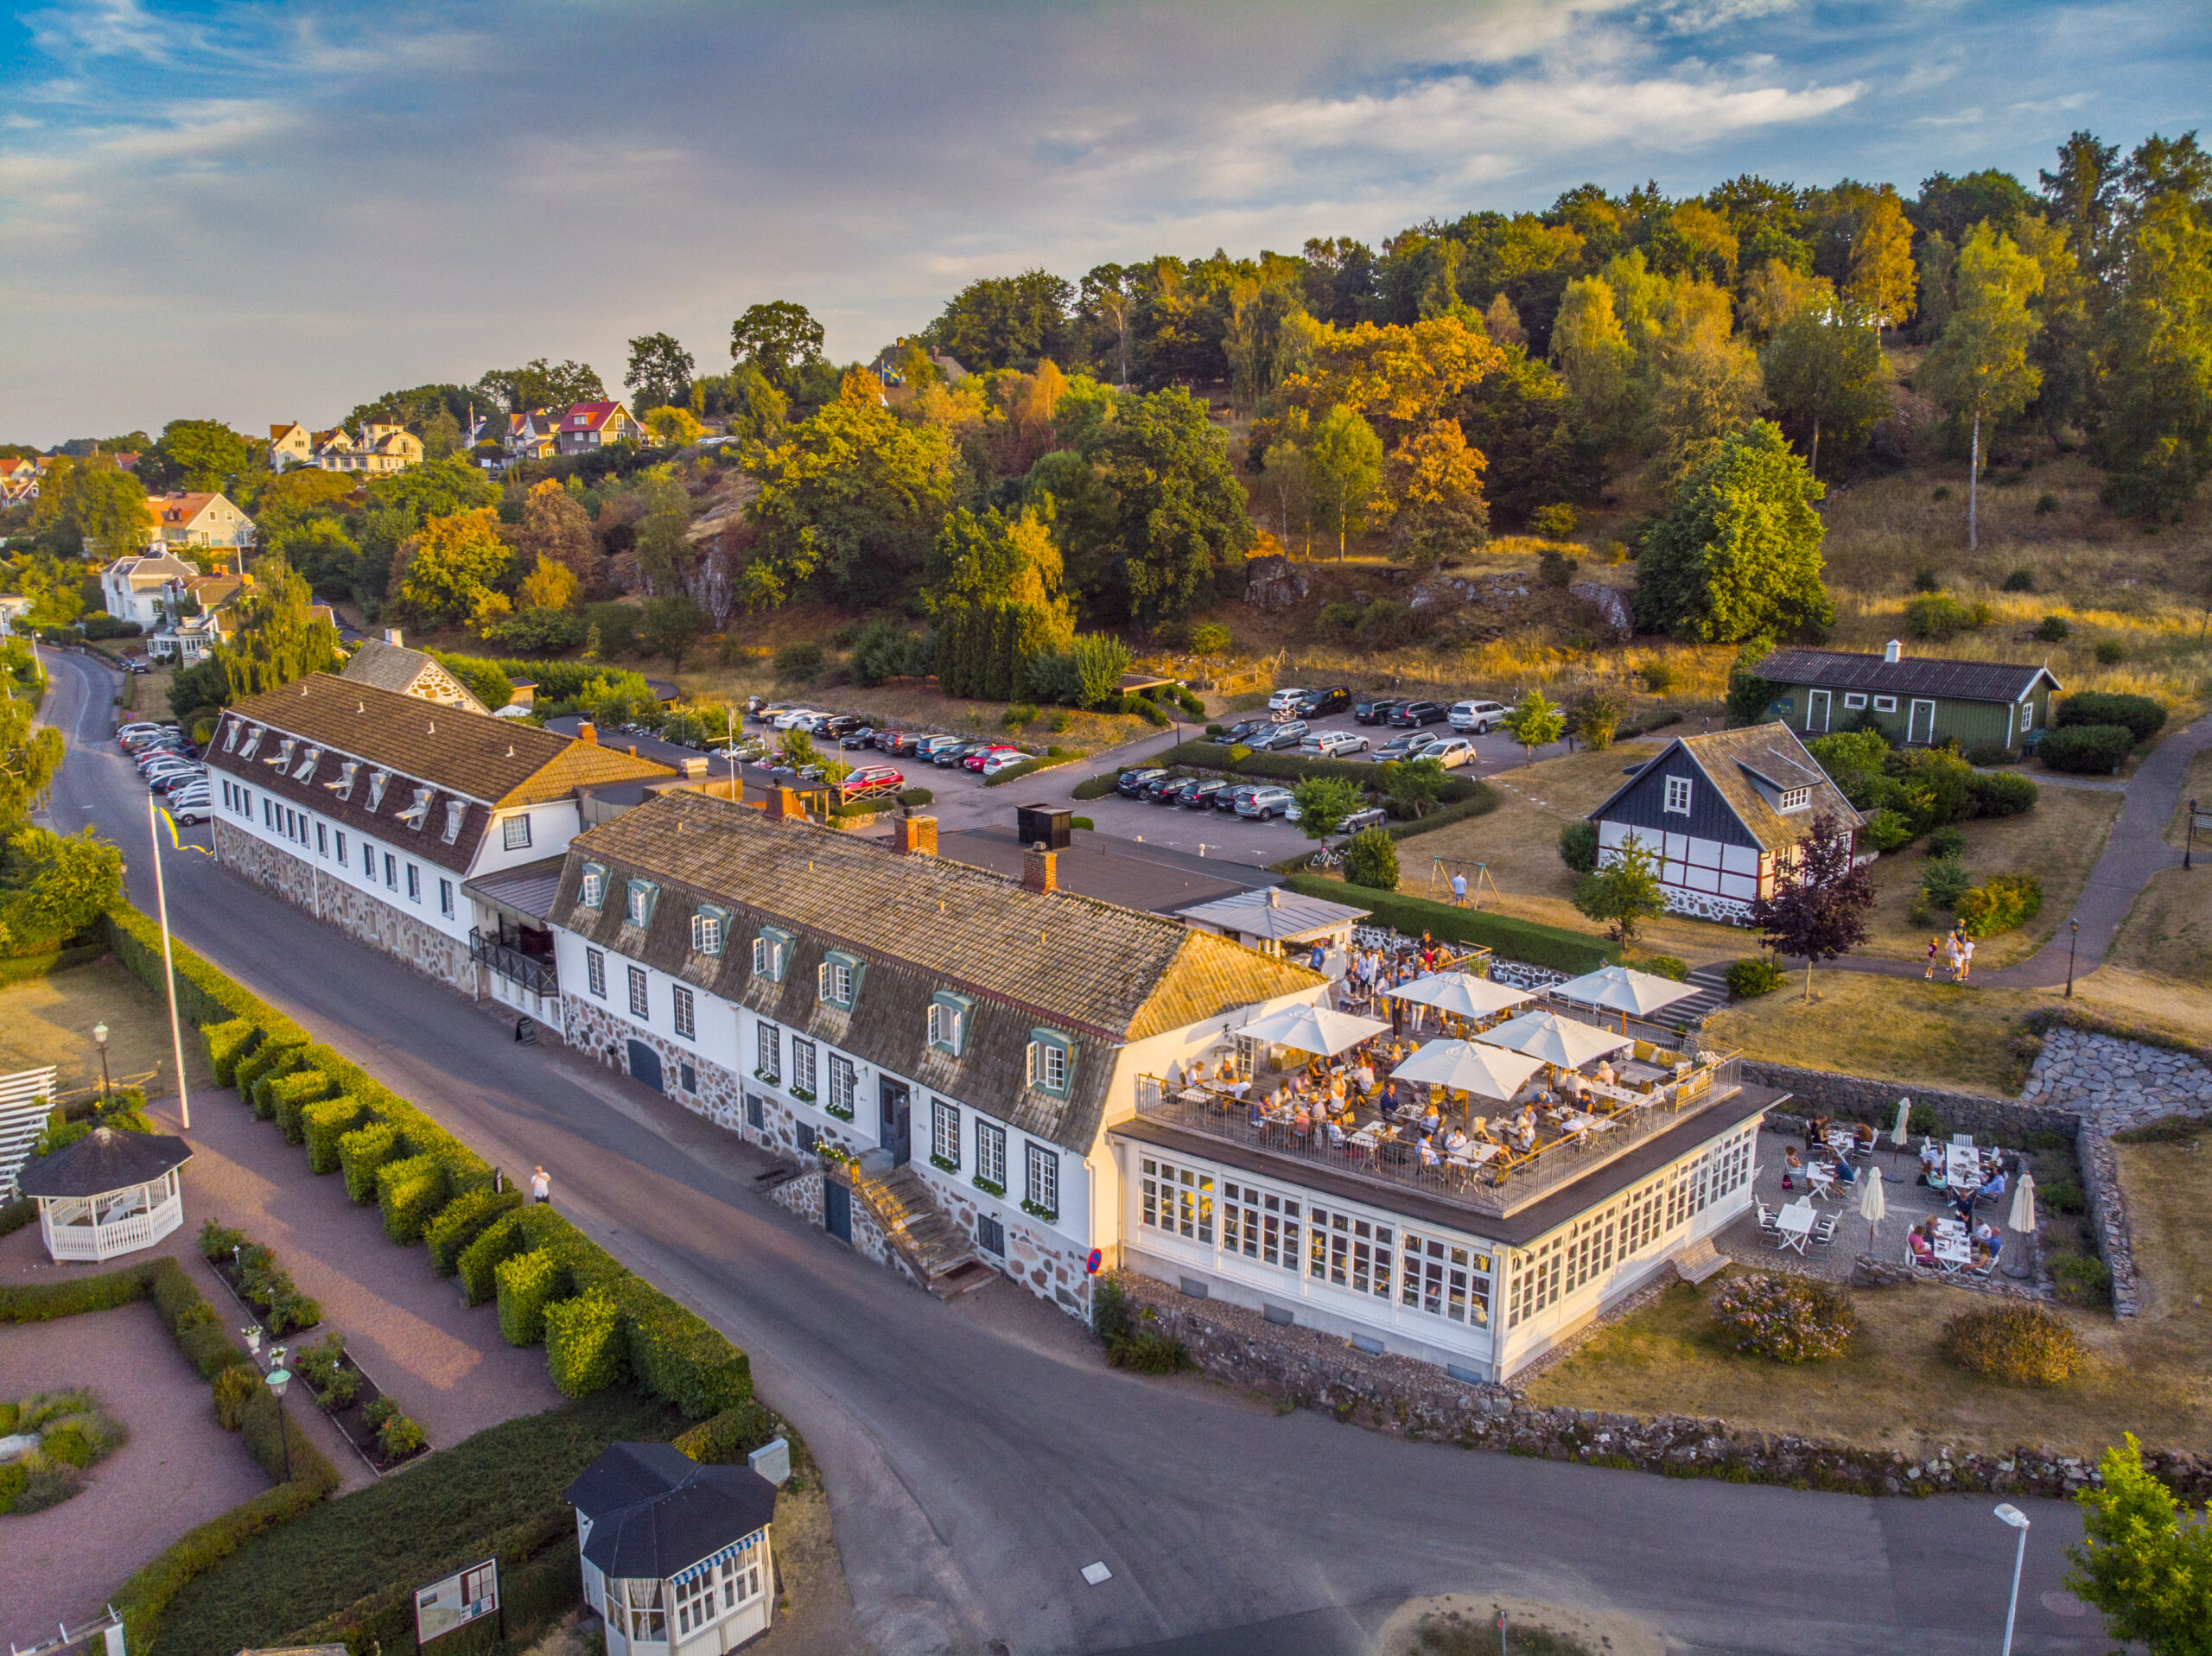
{"points": [[103, 1160], [654, 1511]]}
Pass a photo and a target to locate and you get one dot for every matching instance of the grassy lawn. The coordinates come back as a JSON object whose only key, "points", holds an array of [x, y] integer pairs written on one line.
{"points": [[50, 1019], [1895, 1390], [1898, 1029]]}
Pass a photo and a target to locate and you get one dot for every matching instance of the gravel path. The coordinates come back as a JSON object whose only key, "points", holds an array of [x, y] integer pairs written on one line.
{"points": [[179, 1469]]}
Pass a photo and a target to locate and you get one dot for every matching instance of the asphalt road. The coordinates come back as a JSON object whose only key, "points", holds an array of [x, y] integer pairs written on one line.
{"points": [[979, 1455]]}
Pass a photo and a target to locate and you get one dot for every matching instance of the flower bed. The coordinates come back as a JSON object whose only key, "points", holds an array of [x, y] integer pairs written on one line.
{"points": [[249, 1271], [379, 1433], [1789, 1318]]}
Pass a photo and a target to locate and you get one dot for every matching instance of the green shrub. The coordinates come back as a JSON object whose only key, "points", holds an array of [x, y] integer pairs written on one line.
{"points": [[1084, 822], [676, 1356], [1791, 1319], [2109, 652], [219, 1241], [228, 1043], [1889, 830], [913, 798], [462, 1222], [1578, 846], [584, 1344], [362, 1153], [289, 1094], [2022, 580], [1993, 753], [2082, 1279], [1149, 1352], [1512, 938], [799, 660], [208, 1347], [398, 1435], [411, 1191], [323, 1123], [479, 1261], [1663, 966], [528, 1283], [42, 1302], [1943, 882], [2139, 714], [1947, 842], [2000, 904], [258, 1421], [12, 1477], [1750, 979], [1096, 787], [1371, 860], [2054, 629], [2022, 1345], [2046, 502], [1939, 616], [2086, 750], [269, 1059], [235, 1385], [728, 1437], [13, 1215]]}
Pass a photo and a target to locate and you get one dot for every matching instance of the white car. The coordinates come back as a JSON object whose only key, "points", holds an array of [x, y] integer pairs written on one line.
{"points": [[193, 810], [1333, 744], [1287, 699], [1451, 753], [1480, 717], [1005, 760], [797, 717]]}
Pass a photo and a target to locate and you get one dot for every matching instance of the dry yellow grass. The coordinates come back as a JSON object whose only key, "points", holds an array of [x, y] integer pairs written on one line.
{"points": [[1902, 1030], [49, 1020], [1895, 1390]]}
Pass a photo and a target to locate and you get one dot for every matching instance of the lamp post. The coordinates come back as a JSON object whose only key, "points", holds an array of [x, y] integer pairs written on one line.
{"points": [[280, 1377], [2073, 934], [2019, 1519], [100, 1040]]}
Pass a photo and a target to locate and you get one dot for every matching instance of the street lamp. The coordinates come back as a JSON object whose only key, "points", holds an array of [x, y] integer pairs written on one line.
{"points": [[2073, 934], [2019, 1519], [100, 1040], [280, 1377]]}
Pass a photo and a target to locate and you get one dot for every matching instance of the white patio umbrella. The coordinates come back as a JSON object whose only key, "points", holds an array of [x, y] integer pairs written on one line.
{"points": [[1312, 1029], [1558, 1040], [2021, 1221], [1469, 1067], [1461, 993], [1872, 1205], [1617, 989]]}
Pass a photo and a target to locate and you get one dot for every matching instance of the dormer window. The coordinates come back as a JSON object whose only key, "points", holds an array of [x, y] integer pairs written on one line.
{"points": [[455, 809], [949, 1019], [1678, 794], [1051, 1062], [710, 927], [417, 813], [378, 781], [837, 982], [591, 890], [282, 756], [230, 736], [343, 787], [1794, 799], [771, 954], [252, 741], [308, 764], [638, 903]]}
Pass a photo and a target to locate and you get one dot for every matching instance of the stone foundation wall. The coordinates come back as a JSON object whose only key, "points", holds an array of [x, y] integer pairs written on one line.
{"points": [[801, 1195], [595, 1029], [2108, 1216], [1038, 1257], [1408, 1399], [347, 907], [2118, 1083]]}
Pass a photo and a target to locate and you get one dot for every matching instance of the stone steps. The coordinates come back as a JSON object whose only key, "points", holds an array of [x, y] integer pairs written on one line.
{"points": [[936, 1248]]}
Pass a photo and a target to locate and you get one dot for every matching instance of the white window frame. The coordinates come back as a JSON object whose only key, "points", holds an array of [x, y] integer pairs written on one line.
{"points": [[514, 832], [1853, 700], [802, 1069], [685, 1011], [641, 1001], [944, 1133], [595, 971], [638, 899], [591, 890], [706, 932], [1050, 1067], [948, 1023], [990, 1152], [844, 1084], [1794, 799], [771, 954], [1885, 704], [1680, 792], [768, 1053], [838, 980], [1041, 1177]]}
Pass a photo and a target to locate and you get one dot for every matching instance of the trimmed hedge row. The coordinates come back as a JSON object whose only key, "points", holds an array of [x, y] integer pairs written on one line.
{"points": [[1511, 939], [464, 1218]]}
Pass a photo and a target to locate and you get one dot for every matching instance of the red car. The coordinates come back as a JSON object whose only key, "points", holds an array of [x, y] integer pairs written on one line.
{"points": [[976, 760], [870, 779]]}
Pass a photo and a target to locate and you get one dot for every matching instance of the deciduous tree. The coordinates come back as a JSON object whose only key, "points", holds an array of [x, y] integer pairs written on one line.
{"points": [[555, 528], [672, 624], [1343, 468], [278, 638], [2145, 1561], [660, 373], [781, 339], [110, 510], [1625, 893], [540, 384], [1820, 901], [2157, 436], [1738, 553], [1433, 483], [1535, 722], [203, 455], [1979, 369], [447, 565], [551, 586], [1881, 279], [1825, 368], [1176, 509]]}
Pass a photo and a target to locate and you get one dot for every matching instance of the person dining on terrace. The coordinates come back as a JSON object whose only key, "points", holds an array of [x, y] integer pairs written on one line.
{"points": [[1922, 1240], [1428, 1156], [1455, 1142], [1431, 1120], [1606, 1075], [1364, 1074], [1994, 1191], [1931, 1159], [1988, 1235]]}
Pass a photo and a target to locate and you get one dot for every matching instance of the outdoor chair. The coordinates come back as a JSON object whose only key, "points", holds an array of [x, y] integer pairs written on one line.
{"points": [[1824, 1228], [1962, 1140], [1770, 1223]]}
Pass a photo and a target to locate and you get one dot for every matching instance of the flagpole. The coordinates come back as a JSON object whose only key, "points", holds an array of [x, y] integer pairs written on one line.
{"points": [[168, 967]]}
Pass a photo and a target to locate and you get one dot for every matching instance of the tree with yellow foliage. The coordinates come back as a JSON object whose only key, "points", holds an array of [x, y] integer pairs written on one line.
{"points": [[1434, 483], [672, 427], [551, 586], [1881, 281], [444, 570]]}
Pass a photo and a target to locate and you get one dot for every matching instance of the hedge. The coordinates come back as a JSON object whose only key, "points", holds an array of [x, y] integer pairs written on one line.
{"points": [[730, 1435], [584, 1346], [323, 1123], [203, 994], [675, 1355], [289, 1094], [228, 1043], [268, 1060], [479, 1262], [1511, 939], [361, 1153], [412, 1191], [42, 1302], [24, 968], [2086, 750], [143, 1598], [2139, 714], [528, 1283], [463, 1220]]}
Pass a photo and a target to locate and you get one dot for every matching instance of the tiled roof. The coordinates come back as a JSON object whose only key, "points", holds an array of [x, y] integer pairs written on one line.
{"points": [[1924, 675], [1105, 975], [395, 667], [1731, 758]]}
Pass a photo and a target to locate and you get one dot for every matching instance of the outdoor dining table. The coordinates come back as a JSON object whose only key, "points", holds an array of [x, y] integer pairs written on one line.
{"points": [[1795, 1223], [1952, 1252], [1633, 1071], [1618, 1095], [1961, 1167]]}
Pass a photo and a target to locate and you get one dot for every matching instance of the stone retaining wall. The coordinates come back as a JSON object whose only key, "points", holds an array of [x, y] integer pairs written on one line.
{"points": [[2108, 1216], [1855, 1096], [1408, 1399]]}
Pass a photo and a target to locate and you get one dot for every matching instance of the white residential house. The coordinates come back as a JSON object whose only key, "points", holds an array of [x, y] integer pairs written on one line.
{"points": [[534, 436], [379, 451], [137, 589], [371, 808], [290, 444], [182, 517]]}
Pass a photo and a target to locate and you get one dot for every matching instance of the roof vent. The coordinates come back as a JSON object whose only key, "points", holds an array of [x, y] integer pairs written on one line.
{"points": [[1274, 896], [1891, 651], [391, 637]]}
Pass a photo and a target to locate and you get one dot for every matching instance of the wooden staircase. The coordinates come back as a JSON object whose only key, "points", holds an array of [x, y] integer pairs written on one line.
{"points": [[937, 1251]]}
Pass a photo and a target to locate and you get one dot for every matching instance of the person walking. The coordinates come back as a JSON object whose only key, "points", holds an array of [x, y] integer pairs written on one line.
{"points": [[1966, 957], [541, 1187]]}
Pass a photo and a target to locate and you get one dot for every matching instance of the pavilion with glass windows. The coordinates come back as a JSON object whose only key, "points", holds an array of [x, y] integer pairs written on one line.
{"points": [[109, 1193]]}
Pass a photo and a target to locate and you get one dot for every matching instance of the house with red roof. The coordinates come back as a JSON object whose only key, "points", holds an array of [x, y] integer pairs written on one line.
{"points": [[588, 426]]}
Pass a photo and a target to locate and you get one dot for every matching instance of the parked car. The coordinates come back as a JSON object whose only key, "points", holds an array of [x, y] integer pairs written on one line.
{"points": [[1133, 781], [1374, 709], [1199, 793], [901, 744], [840, 726], [1286, 699], [1407, 746], [765, 713], [1235, 795], [1480, 717], [1005, 759], [137, 664], [167, 766], [870, 779], [949, 752], [197, 810], [1245, 729], [1266, 803], [171, 782], [1452, 752], [864, 737], [928, 747], [1281, 736], [985, 754], [1373, 817], [1160, 787], [1333, 744], [796, 719], [1316, 704], [1411, 714]]}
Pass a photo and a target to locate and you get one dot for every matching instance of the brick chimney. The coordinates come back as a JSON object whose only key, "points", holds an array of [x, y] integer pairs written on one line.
{"points": [[914, 836], [1041, 869], [588, 731], [784, 802]]}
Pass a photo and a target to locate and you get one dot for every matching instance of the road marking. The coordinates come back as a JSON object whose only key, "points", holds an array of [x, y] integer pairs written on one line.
{"points": [[1096, 1574]]}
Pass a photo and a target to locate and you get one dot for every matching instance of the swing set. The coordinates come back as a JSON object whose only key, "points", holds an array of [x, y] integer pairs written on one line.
{"points": [[1441, 870]]}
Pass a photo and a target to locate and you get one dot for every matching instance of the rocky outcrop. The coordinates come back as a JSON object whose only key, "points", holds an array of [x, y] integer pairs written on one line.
{"points": [[1610, 604], [1273, 582]]}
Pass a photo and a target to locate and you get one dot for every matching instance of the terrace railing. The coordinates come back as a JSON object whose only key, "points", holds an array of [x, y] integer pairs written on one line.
{"points": [[532, 972], [1493, 1190]]}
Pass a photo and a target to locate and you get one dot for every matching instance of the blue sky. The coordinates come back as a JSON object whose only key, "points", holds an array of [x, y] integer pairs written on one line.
{"points": [[265, 213]]}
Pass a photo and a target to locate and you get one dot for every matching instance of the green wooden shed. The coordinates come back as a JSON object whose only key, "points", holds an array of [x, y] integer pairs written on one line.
{"points": [[1916, 701]]}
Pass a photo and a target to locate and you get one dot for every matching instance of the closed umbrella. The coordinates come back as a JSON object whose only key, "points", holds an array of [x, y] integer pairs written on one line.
{"points": [[1871, 1203], [1469, 1067], [2022, 1223], [1556, 1040], [1902, 1131]]}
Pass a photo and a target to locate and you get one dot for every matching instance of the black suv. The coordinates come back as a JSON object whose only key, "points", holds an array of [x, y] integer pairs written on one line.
{"points": [[1374, 709], [1319, 703], [1245, 729], [1408, 714]]}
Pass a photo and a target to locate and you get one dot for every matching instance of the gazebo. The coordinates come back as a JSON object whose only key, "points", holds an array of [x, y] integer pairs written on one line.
{"points": [[109, 1193]]}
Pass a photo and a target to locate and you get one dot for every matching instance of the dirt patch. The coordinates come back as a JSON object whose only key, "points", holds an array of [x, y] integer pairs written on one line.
{"points": [[1466, 1624]]}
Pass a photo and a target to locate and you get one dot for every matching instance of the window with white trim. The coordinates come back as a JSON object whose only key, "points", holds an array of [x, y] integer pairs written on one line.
{"points": [[641, 1004], [767, 1048], [1350, 1253], [990, 1152], [684, 1011], [1178, 1200], [1885, 704], [1794, 799], [1445, 1279], [948, 1023], [1051, 1062], [1854, 698], [514, 832], [1536, 1276], [1678, 794], [844, 1082], [1043, 1178], [1259, 1225], [771, 954], [838, 979], [709, 927], [595, 972], [445, 898], [802, 1067], [638, 903], [591, 892], [944, 1133]]}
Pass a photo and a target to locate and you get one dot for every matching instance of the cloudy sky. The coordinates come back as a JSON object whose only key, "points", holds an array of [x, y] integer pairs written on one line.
{"points": [[268, 212]]}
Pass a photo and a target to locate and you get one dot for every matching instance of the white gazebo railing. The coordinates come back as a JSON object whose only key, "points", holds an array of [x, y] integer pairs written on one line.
{"points": [[100, 1228]]}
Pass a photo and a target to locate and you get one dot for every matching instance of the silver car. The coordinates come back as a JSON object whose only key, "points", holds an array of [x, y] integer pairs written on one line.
{"points": [[1266, 803], [1333, 744]]}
